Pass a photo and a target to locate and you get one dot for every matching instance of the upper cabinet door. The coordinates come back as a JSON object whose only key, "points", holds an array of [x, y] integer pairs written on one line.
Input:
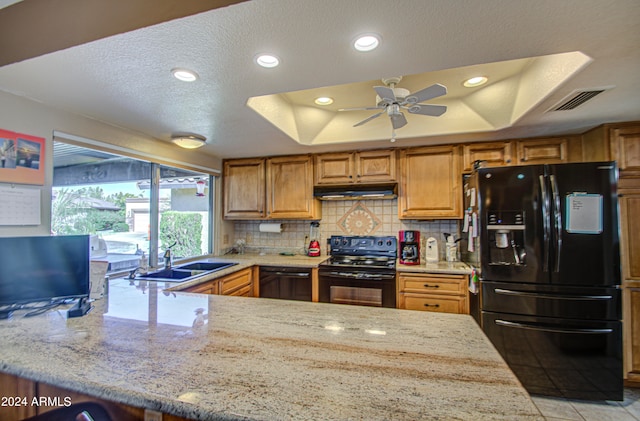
{"points": [[494, 154], [430, 183], [375, 166], [290, 188], [244, 193], [334, 168], [543, 151], [625, 145]]}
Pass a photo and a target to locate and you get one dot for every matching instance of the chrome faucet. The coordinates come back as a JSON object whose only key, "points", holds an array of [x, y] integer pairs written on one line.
{"points": [[167, 256], [167, 259]]}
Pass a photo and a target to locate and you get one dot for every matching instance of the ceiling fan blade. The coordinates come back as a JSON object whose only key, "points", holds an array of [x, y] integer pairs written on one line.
{"points": [[427, 109], [385, 93], [425, 94], [361, 109], [398, 120], [368, 119]]}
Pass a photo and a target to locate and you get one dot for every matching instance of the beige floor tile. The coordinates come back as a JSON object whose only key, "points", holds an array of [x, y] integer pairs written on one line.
{"points": [[599, 411], [556, 408]]}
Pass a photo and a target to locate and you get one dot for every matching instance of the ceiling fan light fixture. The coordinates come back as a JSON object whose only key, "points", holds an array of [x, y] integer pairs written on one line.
{"points": [[324, 100], [367, 42], [191, 141], [475, 81], [267, 60], [184, 75]]}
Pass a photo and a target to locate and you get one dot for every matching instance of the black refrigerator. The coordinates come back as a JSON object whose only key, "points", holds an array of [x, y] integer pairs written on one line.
{"points": [[550, 276]]}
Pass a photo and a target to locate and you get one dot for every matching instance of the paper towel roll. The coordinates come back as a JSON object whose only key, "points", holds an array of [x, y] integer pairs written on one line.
{"points": [[270, 227]]}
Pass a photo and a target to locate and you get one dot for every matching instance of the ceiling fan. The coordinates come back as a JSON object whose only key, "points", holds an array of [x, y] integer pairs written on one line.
{"points": [[392, 100]]}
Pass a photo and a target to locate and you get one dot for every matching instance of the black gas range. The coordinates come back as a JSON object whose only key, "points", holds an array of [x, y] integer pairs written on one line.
{"points": [[360, 271]]}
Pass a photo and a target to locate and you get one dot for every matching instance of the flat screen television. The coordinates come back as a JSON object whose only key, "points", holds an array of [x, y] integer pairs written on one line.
{"points": [[43, 269]]}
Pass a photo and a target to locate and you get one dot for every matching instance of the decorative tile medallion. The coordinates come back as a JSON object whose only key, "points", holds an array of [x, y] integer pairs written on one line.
{"points": [[359, 220]]}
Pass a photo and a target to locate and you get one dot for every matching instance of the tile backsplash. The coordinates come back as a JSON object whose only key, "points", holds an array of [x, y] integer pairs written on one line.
{"points": [[344, 217]]}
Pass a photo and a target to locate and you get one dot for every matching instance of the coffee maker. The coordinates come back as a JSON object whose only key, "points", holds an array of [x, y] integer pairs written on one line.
{"points": [[409, 247]]}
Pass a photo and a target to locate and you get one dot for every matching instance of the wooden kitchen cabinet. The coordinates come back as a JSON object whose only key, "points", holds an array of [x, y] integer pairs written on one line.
{"points": [[630, 262], [543, 151], [270, 188], [239, 283], [631, 333], [430, 183], [625, 147], [15, 388], [495, 154], [209, 287], [445, 293], [377, 166], [290, 188], [244, 189], [618, 142]]}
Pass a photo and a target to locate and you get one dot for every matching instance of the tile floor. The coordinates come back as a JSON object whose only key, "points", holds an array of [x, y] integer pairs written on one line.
{"points": [[559, 409]]}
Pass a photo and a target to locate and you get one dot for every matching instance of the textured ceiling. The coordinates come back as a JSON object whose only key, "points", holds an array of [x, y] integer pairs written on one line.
{"points": [[125, 79]]}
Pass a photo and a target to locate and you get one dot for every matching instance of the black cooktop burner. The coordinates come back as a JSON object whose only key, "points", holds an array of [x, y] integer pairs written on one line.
{"points": [[374, 252]]}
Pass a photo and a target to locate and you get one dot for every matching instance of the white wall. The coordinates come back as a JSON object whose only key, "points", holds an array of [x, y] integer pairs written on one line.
{"points": [[21, 115]]}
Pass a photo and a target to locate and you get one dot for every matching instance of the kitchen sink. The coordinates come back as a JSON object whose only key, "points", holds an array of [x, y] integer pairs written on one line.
{"points": [[185, 272], [206, 266], [172, 274]]}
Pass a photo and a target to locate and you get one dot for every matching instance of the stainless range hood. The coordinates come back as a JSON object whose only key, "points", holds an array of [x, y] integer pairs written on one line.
{"points": [[360, 192]]}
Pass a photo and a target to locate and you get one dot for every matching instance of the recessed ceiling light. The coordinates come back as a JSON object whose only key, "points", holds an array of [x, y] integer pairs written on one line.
{"points": [[184, 75], [367, 42], [324, 100], [267, 60], [475, 81]]}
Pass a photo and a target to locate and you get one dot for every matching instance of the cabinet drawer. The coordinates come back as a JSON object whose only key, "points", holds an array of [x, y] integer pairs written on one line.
{"points": [[209, 287], [244, 291], [433, 284], [229, 284], [427, 302]]}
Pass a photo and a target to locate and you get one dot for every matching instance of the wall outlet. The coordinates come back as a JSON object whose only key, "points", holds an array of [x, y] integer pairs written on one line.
{"points": [[225, 239], [151, 415]]}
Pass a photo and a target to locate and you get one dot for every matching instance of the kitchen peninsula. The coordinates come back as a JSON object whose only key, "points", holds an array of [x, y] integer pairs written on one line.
{"points": [[218, 357]]}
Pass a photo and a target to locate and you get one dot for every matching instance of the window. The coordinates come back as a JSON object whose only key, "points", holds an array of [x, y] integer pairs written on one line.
{"points": [[111, 198]]}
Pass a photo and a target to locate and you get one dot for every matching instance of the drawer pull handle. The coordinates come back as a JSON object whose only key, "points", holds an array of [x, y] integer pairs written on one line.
{"points": [[432, 305], [431, 286]]}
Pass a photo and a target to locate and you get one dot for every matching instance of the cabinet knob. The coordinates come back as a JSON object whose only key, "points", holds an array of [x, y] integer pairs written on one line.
{"points": [[432, 305], [350, 176], [431, 286]]}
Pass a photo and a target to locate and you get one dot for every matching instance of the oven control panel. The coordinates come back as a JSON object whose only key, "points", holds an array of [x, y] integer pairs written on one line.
{"points": [[363, 244]]}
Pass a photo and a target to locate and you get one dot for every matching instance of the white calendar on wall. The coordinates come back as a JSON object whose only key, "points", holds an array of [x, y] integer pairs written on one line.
{"points": [[19, 206]]}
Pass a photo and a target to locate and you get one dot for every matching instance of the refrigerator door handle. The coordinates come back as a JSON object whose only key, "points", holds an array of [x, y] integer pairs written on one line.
{"points": [[551, 329], [557, 220], [551, 296], [545, 223]]}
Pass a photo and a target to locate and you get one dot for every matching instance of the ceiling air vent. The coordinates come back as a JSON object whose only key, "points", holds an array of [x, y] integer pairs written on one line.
{"points": [[577, 98]]}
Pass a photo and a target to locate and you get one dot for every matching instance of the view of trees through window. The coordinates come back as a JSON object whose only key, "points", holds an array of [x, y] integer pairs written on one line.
{"points": [[109, 197]]}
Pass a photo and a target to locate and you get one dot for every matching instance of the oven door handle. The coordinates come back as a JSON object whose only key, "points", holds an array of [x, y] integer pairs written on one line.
{"points": [[550, 329], [290, 274], [361, 275]]}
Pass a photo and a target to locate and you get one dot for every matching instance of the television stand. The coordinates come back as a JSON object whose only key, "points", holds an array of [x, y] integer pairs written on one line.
{"points": [[79, 309]]}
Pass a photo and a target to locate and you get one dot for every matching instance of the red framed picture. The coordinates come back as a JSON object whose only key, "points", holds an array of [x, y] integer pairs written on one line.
{"points": [[21, 158]]}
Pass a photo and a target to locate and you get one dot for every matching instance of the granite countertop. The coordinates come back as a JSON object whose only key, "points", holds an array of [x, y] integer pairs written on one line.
{"points": [[454, 268], [254, 358]]}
